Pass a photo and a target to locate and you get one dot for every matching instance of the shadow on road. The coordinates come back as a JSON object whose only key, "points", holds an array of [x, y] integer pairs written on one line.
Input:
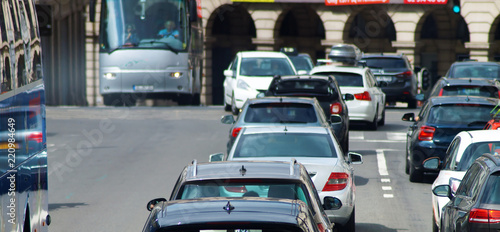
{"points": [[368, 227], [65, 205]]}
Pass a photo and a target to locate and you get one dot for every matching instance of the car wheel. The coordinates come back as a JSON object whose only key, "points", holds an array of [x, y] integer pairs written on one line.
{"points": [[415, 175], [374, 124], [435, 228], [382, 121], [407, 166], [412, 104], [196, 101], [350, 226], [234, 109], [227, 107]]}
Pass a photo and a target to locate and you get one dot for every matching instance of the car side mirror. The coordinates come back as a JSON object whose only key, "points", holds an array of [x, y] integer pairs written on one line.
{"points": [[151, 204], [227, 119], [442, 191], [302, 72], [410, 117], [335, 118], [228, 73], [432, 163], [420, 97], [417, 69], [216, 157], [355, 158], [348, 97], [331, 203]]}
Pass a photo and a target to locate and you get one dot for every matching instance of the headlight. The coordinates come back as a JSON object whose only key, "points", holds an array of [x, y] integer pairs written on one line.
{"points": [[241, 84], [176, 74], [110, 76]]}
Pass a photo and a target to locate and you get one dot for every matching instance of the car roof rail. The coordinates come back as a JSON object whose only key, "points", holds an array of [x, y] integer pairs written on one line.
{"points": [[195, 163], [292, 165]]}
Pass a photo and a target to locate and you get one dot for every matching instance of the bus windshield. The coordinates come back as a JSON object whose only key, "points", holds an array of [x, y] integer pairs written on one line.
{"points": [[158, 24]]}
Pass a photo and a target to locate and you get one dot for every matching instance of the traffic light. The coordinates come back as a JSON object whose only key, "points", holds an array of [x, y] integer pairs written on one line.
{"points": [[426, 79], [456, 6]]}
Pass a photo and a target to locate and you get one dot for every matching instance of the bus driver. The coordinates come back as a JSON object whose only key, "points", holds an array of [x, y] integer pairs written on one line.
{"points": [[169, 30]]}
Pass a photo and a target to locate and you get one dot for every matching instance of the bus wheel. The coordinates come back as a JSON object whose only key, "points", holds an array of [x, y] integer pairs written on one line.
{"points": [[185, 99], [112, 100], [196, 100]]}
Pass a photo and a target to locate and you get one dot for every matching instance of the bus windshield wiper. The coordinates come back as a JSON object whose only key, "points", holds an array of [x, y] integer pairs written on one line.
{"points": [[168, 45]]}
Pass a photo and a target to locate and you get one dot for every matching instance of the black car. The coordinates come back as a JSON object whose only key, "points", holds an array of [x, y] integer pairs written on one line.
{"points": [[481, 69], [395, 76], [323, 88], [476, 204], [266, 179], [290, 111], [229, 215], [465, 86], [439, 120]]}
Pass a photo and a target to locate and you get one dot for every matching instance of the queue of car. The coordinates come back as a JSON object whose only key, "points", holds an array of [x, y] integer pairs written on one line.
{"points": [[287, 164]]}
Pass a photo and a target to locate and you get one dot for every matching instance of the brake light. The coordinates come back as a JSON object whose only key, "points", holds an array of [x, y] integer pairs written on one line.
{"points": [[406, 74], [440, 92], [236, 189], [426, 133], [498, 93], [236, 131], [484, 216], [36, 136], [336, 181], [364, 96], [335, 108]]}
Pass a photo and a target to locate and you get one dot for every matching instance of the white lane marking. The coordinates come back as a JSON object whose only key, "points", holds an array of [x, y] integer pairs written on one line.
{"points": [[398, 136], [386, 188], [388, 196], [356, 136], [384, 180], [382, 166]]}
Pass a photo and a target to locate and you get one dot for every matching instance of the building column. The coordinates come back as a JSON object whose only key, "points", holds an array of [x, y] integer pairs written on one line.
{"points": [[334, 23], [478, 51], [265, 22]]}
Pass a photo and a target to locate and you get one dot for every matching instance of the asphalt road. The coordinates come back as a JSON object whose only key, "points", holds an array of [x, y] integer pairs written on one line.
{"points": [[106, 163]]}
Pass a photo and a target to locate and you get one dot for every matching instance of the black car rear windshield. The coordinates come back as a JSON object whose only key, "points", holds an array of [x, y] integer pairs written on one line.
{"points": [[285, 145], [385, 63], [345, 78], [460, 114], [303, 86], [470, 90], [491, 193], [281, 113], [482, 71]]}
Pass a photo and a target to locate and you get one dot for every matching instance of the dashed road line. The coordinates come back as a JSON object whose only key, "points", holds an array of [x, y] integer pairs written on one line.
{"points": [[382, 170]]}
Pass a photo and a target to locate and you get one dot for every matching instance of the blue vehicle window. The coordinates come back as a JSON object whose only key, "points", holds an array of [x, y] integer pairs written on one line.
{"points": [[484, 91], [265, 67], [484, 71], [279, 113], [285, 145], [460, 114], [474, 151]]}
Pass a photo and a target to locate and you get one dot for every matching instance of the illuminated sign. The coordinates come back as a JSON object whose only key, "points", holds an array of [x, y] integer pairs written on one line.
{"points": [[350, 2]]}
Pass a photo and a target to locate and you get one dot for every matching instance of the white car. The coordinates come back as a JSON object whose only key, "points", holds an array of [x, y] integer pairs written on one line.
{"points": [[317, 149], [250, 73], [369, 100], [465, 148]]}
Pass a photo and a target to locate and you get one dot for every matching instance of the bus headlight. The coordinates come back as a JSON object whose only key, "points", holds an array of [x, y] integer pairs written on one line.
{"points": [[110, 76], [176, 74]]}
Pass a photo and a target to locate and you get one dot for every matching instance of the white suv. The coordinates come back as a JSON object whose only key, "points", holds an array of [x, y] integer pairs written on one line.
{"points": [[250, 73], [369, 100], [465, 148]]}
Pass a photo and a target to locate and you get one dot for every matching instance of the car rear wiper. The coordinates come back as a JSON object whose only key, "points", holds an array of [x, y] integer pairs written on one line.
{"points": [[476, 123]]}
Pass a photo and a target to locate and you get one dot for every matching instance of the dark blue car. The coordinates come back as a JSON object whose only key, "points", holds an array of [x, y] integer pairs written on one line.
{"points": [[439, 120]]}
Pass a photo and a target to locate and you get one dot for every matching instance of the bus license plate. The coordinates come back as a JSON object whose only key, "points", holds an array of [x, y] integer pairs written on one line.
{"points": [[144, 87], [384, 78]]}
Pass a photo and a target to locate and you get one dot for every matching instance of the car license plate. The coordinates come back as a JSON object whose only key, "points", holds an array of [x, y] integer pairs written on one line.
{"points": [[384, 78], [5, 146], [144, 87]]}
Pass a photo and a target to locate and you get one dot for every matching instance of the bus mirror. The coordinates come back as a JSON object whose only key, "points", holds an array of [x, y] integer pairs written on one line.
{"points": [[193, 11]]}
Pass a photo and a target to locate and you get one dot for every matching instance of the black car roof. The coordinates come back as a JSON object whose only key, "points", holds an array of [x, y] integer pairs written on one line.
{"points": [[220, 212], [471, 81], [279, 99], [382, 56], [443, 100], [243, 170]]}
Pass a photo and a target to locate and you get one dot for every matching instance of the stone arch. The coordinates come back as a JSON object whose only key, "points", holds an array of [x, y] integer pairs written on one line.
{"points": [[440, 36], [371, 29], [494, 40], [302, 28], [230, 28]]}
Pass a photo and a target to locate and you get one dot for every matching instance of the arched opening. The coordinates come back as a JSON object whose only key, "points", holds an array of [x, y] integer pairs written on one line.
{"points": [[494, 39], [372, 30], [302, 28], [441, 36], [230, 29]]}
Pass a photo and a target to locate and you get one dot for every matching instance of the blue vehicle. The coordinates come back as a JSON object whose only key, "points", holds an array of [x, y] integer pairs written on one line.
{"points": [[23, 144]]}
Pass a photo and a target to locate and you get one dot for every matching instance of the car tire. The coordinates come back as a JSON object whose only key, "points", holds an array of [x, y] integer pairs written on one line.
{"points": [[412, 104], [234, 109], [112, 100], [350, 226], [227, 107], [374, 124], [407, 165], [435, 228], [196, 101], [382, 121], [415, 175]]}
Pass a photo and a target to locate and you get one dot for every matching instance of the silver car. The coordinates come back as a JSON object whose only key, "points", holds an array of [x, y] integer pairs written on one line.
{"points": [[317, 149]]}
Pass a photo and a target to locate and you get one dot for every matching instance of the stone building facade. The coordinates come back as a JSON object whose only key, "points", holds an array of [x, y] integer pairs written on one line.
{"points": [[432, 36]]}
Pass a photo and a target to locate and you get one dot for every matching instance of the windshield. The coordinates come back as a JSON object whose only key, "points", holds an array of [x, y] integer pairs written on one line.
{"points": [[385, 63], [144, 24], [484, 91], [483, 71], [460, 114], [263, 66], [285, 145], [474, 151], [302, 62]]}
